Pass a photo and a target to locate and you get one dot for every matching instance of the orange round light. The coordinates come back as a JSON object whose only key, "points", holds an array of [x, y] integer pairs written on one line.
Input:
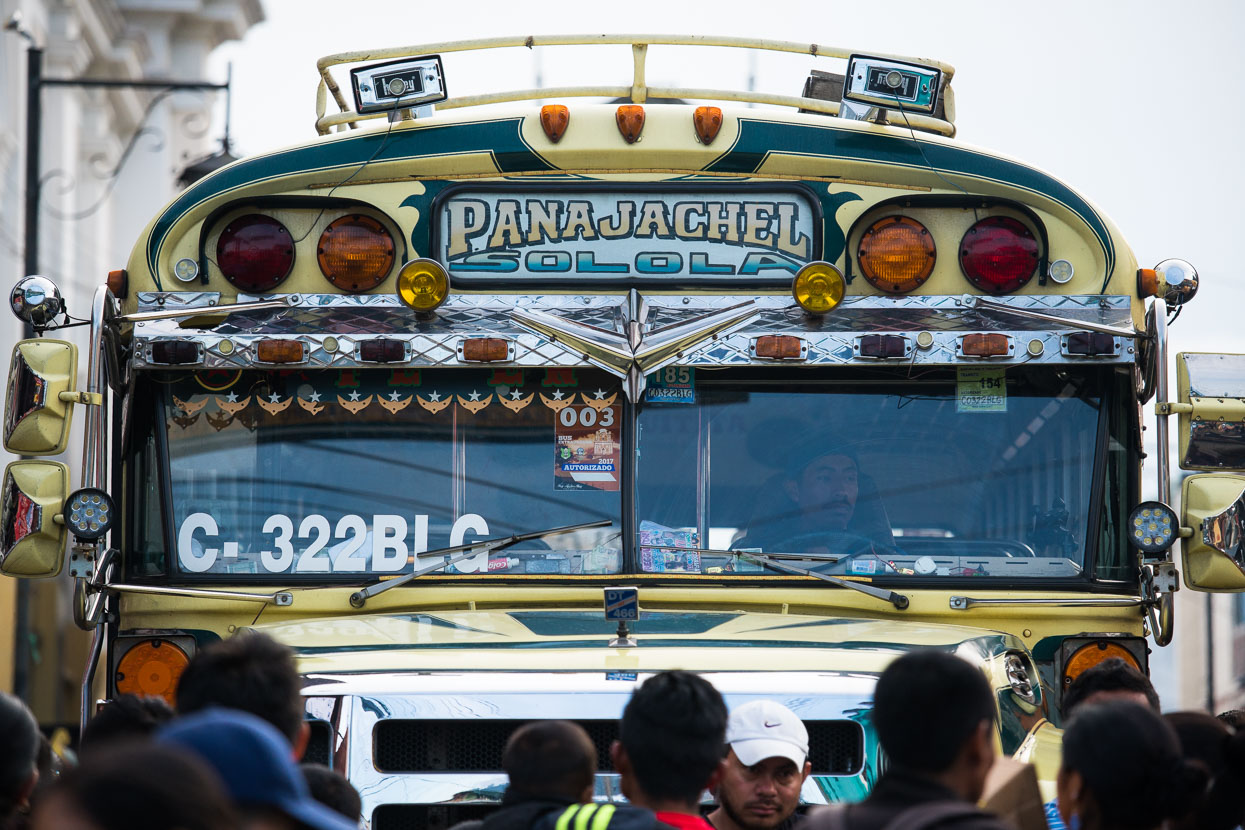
{"points": [[151, 668], [355, 253], [896, 254], [1091, 654]]}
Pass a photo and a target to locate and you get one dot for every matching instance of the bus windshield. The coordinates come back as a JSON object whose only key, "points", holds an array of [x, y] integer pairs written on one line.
{"points": [[982, 473], [360, 471]]}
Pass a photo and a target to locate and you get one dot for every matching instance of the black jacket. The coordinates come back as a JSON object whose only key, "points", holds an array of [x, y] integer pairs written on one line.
{"points": [[896, 792]]}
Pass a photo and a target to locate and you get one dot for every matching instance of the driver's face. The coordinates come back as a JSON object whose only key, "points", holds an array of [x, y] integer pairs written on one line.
{"points": [[825, 491]]}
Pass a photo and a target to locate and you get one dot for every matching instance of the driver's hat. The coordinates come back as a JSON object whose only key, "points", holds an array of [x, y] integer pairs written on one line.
{"points": [[761, 729]]}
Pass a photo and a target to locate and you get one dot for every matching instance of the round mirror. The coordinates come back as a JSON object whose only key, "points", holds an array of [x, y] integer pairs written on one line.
{"points": [[1179, 282], [36, 300]]}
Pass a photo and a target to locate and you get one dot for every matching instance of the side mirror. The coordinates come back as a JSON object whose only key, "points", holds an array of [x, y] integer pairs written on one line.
{"points": [[36, 414], [1214, 556], [32, 540], [1210, 390]]}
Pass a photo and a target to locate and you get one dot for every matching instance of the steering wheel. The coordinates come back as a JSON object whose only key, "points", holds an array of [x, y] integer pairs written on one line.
{"points": [[838, 542]]}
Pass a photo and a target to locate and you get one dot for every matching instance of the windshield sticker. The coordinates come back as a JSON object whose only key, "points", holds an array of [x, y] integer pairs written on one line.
{"points": [[980, 389], [673, 384], [603, 234], [668, 550], [588, 451]]}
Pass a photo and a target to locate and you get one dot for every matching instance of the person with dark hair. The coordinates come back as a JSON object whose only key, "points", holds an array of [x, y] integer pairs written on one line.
{"points": [[252, 759], [252, 673], [1234, 718], [125, 717], [1112, 679], [330, 788], [766, 765], [18, 774], [1122, 770], [551, 766], [670, 747], [934, 714], [1220, 751], [136, 787]]}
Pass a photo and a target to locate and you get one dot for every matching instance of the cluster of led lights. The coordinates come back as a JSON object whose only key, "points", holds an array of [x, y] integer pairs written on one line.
{"points": [[1153, 527], [89, 513]]}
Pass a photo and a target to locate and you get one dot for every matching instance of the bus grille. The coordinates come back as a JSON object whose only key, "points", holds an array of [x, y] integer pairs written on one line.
{"points": [[836, 747]]}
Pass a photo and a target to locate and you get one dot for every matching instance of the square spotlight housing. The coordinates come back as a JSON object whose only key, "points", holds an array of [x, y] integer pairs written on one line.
{"points": [[395, 85], [892, 84]]}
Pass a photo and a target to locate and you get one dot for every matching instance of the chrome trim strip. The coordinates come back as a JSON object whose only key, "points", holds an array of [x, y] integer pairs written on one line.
{"points": [[959, 603]]}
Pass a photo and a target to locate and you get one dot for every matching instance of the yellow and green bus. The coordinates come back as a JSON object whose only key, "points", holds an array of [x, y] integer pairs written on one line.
{"points": [[492, 406]]}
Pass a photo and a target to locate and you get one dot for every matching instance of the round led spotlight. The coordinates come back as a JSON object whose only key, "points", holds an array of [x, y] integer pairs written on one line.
{"points": [[186, 269], [89, 513], [1060, 271], [818, 287], [1153, 527], [423, 284]]}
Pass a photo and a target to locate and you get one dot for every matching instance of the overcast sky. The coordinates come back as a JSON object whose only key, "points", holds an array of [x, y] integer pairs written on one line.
{"points": [[1137, 104]]}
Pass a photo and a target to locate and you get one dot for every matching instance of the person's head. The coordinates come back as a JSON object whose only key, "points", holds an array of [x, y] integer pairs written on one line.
{"points": [[18, 775], [766, 764], [551, 759], [934, 714], [330, 788], [123, 718], [1234, 718], [825, 489], [1220, 751], [1111, 679], [253, 760], [1122, 769], [136, 786], [670, 743], [251, 672]]}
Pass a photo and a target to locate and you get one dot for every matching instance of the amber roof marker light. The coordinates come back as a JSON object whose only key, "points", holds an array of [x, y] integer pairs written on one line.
{"points": [[554, 119]]}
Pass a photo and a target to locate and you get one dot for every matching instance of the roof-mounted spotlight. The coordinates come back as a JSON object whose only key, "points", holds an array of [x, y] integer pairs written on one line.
{"points": [[876, 84], [411, 83]]}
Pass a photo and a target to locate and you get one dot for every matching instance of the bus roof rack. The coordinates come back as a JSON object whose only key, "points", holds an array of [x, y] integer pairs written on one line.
{"points": [[639, 91]]}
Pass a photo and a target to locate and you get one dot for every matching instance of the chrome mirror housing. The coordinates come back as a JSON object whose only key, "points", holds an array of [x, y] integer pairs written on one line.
{"points": [[1179, 282], [36, 300]]}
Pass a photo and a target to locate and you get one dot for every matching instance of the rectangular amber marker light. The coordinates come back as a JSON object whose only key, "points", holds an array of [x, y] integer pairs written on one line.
{"points": [[280, 351], [985, 345], [484, 349], [779, 347]]}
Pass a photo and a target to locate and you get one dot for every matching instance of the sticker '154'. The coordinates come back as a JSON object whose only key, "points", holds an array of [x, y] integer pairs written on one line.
{"points": [[382, 543]]}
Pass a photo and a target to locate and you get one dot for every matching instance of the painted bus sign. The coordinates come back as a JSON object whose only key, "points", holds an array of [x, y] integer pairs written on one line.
{"points": [[670, 233]]}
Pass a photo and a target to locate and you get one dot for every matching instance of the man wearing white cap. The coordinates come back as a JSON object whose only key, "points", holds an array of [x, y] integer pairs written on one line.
{"points": [[766, 764]]}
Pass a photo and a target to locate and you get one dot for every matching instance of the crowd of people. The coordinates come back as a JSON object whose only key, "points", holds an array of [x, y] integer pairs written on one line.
{"points": [[226, 758]]}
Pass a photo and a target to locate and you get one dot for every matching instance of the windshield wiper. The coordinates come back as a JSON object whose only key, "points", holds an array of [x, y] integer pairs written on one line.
{"points": [[360, 597], [900, 601]]}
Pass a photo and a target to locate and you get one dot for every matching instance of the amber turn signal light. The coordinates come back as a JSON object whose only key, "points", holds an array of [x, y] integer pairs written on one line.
{"points": [[554, 119], [119, 283], [151, 668], [484, 349], [707, 120], [985, 345], [630, 119], [897, 254], [280, 351], [779, 347], [1091, 654], [1147, 282]]}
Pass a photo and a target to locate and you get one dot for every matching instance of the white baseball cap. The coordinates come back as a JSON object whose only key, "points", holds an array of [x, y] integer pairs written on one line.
{"points": [[763, 729]]}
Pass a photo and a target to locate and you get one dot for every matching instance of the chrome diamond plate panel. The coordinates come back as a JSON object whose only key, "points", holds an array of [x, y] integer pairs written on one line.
{"points": [[333, 326]]}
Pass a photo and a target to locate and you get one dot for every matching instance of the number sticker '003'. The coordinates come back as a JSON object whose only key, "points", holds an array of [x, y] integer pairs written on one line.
{"points": [[383, 543]]}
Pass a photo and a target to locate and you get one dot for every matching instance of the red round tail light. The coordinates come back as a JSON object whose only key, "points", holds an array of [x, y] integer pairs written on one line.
{"points": [[255, 253], [998, 254]]}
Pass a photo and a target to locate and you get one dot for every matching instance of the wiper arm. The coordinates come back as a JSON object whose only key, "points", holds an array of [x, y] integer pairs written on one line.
{"points": [[975, 303], [360, 597], [900, 601]]}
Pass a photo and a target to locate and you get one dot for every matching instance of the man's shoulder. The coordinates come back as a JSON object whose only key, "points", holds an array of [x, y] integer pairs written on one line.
{"points": [[926, 815], [594, 816]]}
